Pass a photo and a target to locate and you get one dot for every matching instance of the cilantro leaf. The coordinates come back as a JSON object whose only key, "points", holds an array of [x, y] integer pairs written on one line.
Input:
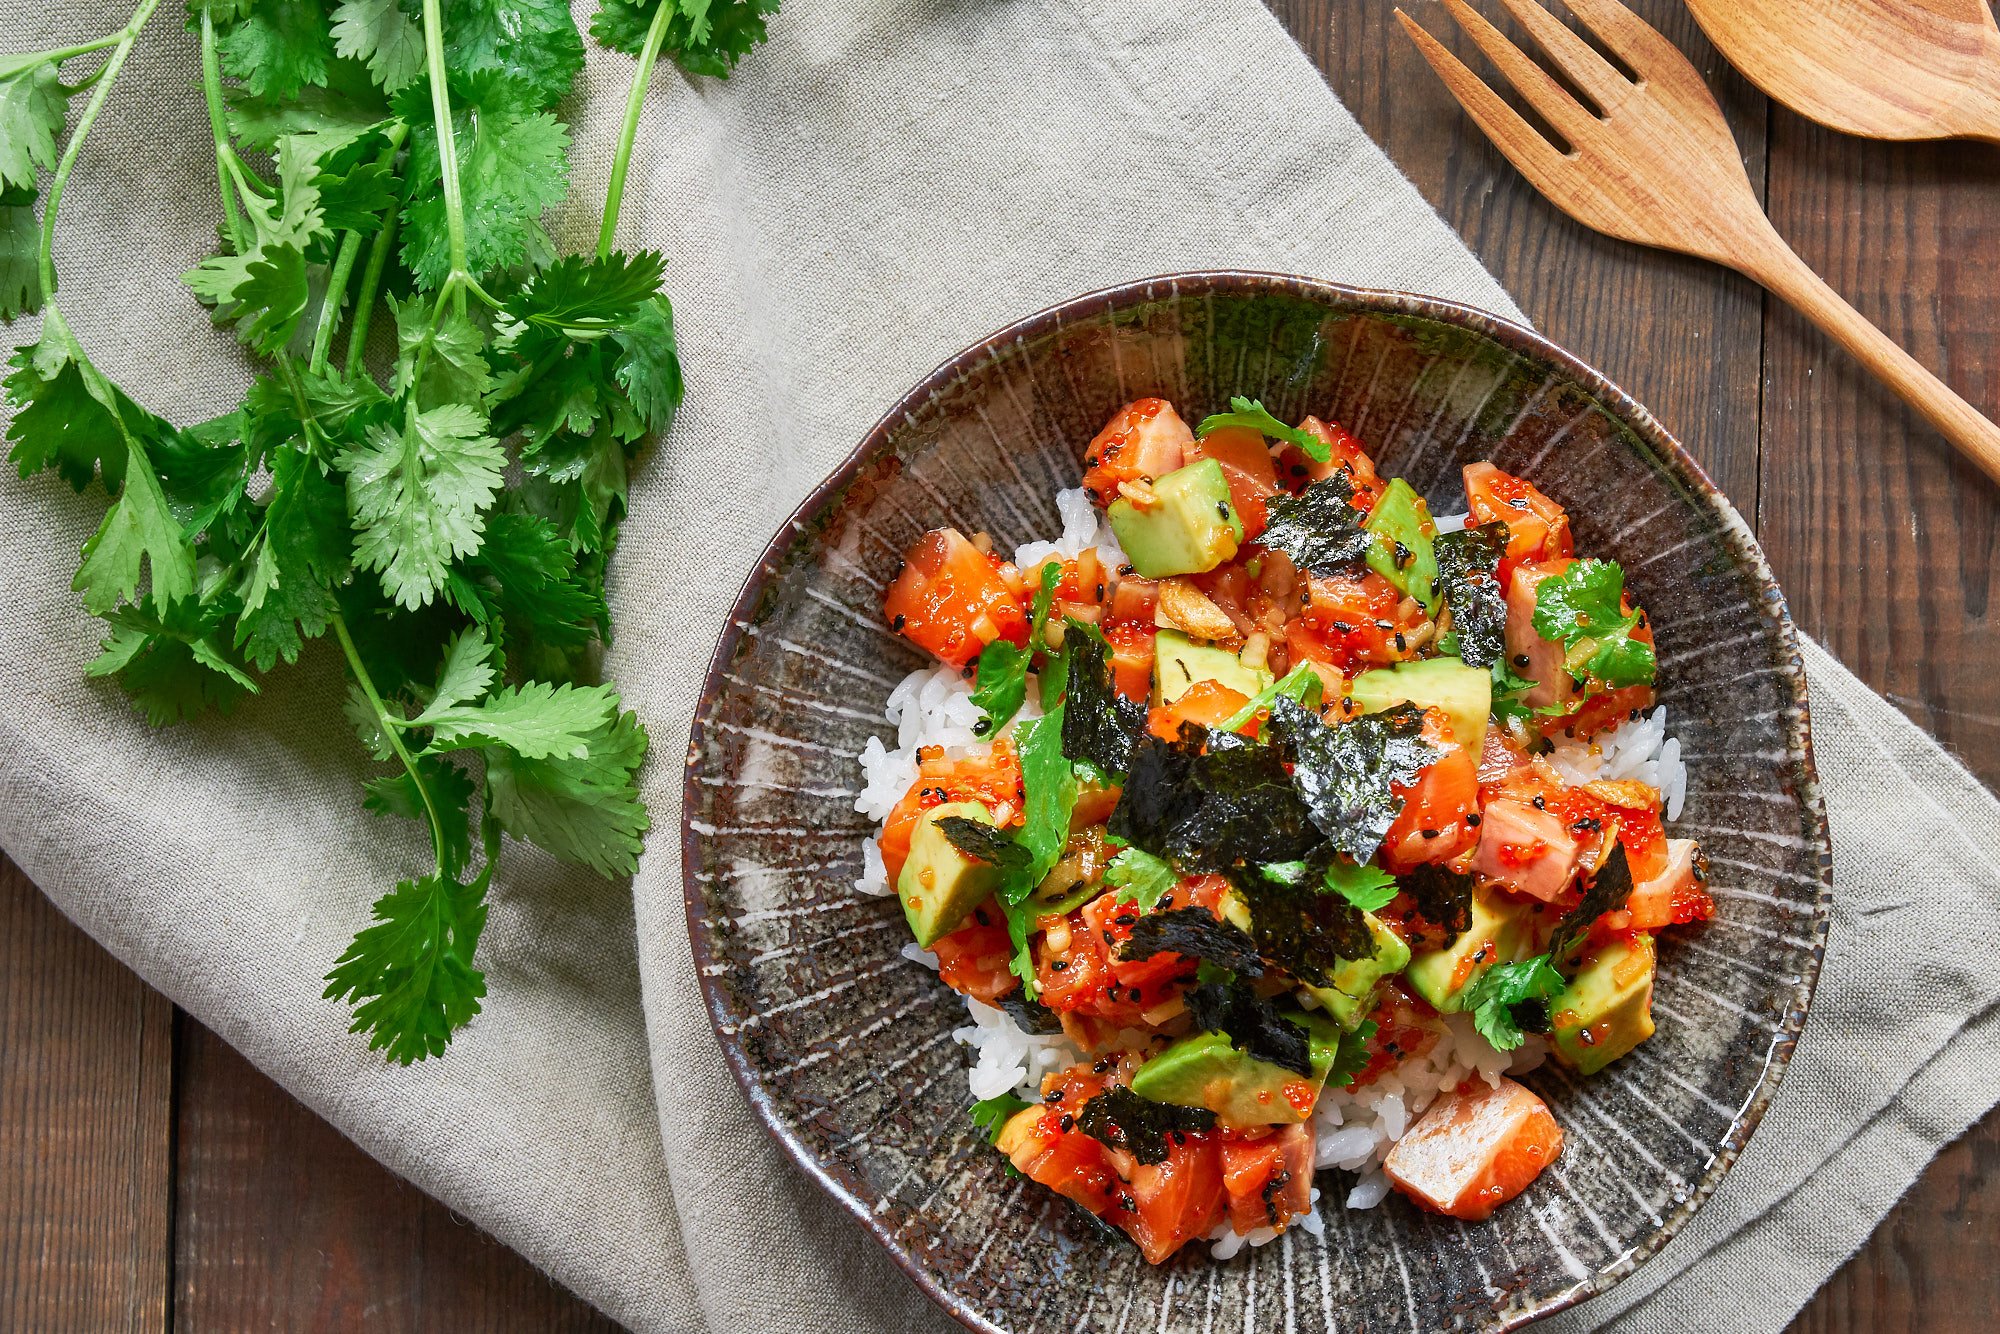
{"points": [[451, 350], [1345, 773], [992, 1114], [1120, 1119], [264, 289], [578, 299], [410, 976], [1318, 528], [174, 664], [1251, 1023], [1510, 703], [1250, 413], [1368, 888], [416, 497], [380, 34], [20, 246], [649, 366], [278, 47], [525, 577], [305, 550], [467, 672], [1468, 580], [33, 104], [585, 810], [513, 167], [346, 101], [537, 721], [1503, 1000], [1352, 1056], [1051, 787], [1140, 877], [1002, 679], [1582, 608], [703, 36], [531, 43]]}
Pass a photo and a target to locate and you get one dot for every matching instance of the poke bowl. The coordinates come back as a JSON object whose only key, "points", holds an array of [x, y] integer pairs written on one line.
{"points": [[1249, 798]]}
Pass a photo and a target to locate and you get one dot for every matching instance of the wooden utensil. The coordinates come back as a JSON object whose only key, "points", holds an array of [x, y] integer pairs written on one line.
{"points": [[1656, 164], [1886, 69]]}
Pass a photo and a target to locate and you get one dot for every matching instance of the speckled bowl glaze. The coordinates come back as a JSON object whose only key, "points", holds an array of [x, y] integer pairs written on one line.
{"points": [[844, 1048]]}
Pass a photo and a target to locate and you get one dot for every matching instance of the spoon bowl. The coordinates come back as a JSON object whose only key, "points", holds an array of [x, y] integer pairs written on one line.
{"points": [[1882, 69]]}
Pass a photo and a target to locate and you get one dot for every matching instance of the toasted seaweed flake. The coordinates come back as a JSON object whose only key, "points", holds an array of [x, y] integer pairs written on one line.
{"points": [[1243, 810], [1468, 580], [1157, 792], [1607, 892], [1030, 1016], [1318, 528], [1194, 933], [1344, 773], [1303, 931], [983, 843], [1099, 724], [1251, 1023], [1121, 1119], [1443, 897]]}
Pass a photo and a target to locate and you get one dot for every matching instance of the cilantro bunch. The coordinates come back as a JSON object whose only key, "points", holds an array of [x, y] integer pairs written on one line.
{"points": [[436, 503]]}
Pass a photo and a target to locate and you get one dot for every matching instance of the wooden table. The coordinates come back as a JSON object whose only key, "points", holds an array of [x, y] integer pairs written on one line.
{"points": [[149, 1177]]}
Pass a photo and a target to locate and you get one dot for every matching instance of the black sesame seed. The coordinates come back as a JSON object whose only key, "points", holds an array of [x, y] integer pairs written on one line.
{"points": [[899, 622], [1428, 833], [1222, 508], [1540, 804], [1520, 660], [1473, 819], [1068, 1123]]}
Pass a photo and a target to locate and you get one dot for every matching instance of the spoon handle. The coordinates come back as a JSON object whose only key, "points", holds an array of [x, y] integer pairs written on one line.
{"points": [[1776, 266]]}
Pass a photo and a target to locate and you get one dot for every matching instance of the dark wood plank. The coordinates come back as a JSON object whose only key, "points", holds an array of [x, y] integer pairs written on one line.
{"points": [[281, 1223], [85, 1129], [1889, 548], [1681, 336]]}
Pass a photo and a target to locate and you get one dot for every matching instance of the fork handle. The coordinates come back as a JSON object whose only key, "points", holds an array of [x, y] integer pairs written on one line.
{"points": [[1777, 266]]}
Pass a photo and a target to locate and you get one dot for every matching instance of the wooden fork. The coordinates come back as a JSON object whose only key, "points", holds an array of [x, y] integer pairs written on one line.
{"points": [[1656, 164]]}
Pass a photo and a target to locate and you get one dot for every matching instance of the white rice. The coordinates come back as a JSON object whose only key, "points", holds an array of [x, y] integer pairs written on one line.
{"points": [[1353, 1128], [1638, 748]]}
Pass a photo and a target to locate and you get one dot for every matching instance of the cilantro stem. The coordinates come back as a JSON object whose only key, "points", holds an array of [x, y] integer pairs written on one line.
{"points": [[454, 196], [61, 54], [388, 729], [635, 103], [218, 127], [343, 264], [371, 282], [105, 78]]}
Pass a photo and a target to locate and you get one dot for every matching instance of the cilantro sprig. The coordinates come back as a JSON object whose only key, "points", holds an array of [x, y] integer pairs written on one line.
{"points": [[1251, 414], [1001, 681], [1583, 610], [1509, 999], [446, 512]]}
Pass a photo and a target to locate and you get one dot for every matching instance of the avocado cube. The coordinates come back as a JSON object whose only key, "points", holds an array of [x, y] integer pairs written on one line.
{"points": [[1502, 931], [1607, 1009], [1178, 662], [1352, 995], [1405, 555], [1207, 1071], [1464, 693], [939, 885], [1190, 527]]}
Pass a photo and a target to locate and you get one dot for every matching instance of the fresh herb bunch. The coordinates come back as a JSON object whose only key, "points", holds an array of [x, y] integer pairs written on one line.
{"points": [[393, 153]]}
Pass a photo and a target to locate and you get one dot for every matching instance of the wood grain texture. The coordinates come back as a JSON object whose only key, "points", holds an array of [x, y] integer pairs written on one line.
{"points": [[283, 1224], [85, 1189]]}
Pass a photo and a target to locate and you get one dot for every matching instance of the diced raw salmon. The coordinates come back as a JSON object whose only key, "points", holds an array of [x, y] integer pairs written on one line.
{"points": [[1475, 1149], [1527, 850], [1528, 654]]}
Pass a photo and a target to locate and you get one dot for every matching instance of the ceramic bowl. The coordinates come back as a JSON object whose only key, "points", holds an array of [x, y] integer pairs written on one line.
{"points": [[843, 1047]]}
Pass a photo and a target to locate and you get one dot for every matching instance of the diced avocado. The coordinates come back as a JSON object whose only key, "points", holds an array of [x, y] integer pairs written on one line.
{"points": [[1405, 556], [1502, 931], [1207, 1071], [1352, 994], [940, 886], [1190, 527], [1607, 1008], [1464, 693], [1178, 662]]}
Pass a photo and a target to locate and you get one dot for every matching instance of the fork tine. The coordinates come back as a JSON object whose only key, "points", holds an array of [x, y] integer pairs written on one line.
{"points": [[1574, 56], [1641, 45], [1519, 142], [1540, 91]]}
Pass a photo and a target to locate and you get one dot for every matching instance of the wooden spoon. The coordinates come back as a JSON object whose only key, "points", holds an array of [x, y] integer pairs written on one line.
{"points": [[1653, 161], [1885, 69]]}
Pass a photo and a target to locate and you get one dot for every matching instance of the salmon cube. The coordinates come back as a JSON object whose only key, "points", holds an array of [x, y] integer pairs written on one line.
{"points": [[1475, 1149], [1525, 849], [1528, 654]]}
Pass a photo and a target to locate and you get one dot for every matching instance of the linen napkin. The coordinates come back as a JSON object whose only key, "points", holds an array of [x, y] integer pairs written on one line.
{"points": [[884, 182]]}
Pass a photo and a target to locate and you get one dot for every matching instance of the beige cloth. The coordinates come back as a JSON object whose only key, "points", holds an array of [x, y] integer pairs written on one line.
{"points": [[880, 185]]}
